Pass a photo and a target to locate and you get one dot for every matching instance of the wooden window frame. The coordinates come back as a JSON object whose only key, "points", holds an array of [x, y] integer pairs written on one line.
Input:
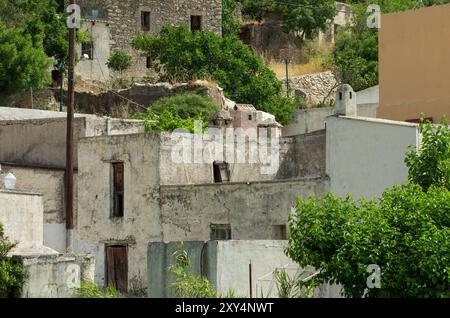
{"points": [[145, 21]]}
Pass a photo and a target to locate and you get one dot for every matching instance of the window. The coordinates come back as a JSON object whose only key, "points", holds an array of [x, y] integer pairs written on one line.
{"points": [[279, 232], [220, 232], [118, 190], [196, 22], [250, 117], [147, 62], [145, 21], [87, 50], [221, 172]]}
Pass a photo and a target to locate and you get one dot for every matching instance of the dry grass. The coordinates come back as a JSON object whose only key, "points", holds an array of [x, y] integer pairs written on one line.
{"points": [[315, 65]]}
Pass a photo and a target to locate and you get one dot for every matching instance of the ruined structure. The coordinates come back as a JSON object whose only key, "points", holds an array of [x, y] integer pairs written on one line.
{"points": [[112, 25]]}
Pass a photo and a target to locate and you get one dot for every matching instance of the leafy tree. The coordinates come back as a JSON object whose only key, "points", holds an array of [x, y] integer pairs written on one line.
{"points": [[89, 289], [185, 55], [179, 111], [119, 61], [12, 274], [355, 57], [230, 26], [24, 64], [406, 233], [430, 164]]}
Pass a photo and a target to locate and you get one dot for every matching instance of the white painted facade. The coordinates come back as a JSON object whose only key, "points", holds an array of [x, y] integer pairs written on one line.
{"points": [[366, 155]]}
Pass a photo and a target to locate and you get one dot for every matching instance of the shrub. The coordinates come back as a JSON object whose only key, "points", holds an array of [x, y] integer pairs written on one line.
{"points": [[179, 111], [119, 61], [185, 55], [12, 274], [89, 289]]}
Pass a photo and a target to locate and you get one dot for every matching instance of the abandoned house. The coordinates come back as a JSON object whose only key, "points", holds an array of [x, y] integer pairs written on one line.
{"points": [[112, 25]]}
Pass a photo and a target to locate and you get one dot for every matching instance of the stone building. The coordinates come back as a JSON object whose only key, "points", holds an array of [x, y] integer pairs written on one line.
{"points": [[112, 25]]}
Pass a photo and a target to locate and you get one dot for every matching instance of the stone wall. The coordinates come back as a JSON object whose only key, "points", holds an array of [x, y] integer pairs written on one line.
{"points": [[124, 21], [315, 87]]}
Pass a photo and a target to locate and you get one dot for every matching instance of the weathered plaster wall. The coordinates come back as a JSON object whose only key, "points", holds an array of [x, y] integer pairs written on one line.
{"points": [[141, 222], [226, 265], [252, 209], [55, 276], [42, 142], [313, 119], [95, 68], [366, 156], [21, 214], [49, 183]]}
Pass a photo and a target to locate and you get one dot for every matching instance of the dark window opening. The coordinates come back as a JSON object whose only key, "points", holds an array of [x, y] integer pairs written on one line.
{"points": [[118, 190], [279, 232], [117, 268], [340, 96], [87, 50], [221, 232], [221, 172], [351, 95], [196, 22], [145, 21], [148, 62], [250, 117]]}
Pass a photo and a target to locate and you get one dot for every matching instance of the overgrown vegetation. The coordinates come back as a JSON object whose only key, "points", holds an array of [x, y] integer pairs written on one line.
{"points": [[89, 289], [184, 56], [119, 61], [406, 233], [187, 285], [12, 274], [179, 111], [294, 287]]}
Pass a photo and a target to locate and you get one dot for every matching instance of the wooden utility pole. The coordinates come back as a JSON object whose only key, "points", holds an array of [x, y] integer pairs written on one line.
{"points": [[69, 140]]}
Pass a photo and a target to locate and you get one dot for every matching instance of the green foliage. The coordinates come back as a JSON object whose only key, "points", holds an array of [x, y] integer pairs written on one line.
{"points": [[355, 57], [119, 61], [230, 26], [24, 64], [185, 55], [406, 235], [187, 285], [430, 164], [179, 111], [303, 16], [89, 289], [12, 274], [294, 287]]}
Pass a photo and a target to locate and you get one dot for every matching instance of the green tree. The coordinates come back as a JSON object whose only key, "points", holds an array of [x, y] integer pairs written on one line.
{"points": [[24, 64], [119, 61], [430, 164], [355, 57], [230, 26], [185, 55], [406, 233], [12, 274]]}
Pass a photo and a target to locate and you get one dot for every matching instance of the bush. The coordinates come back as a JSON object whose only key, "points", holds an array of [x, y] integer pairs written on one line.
{"points": [[89, 289], [185, 56], [430, 164], [119, 61], [12, 274], [179, 111]]}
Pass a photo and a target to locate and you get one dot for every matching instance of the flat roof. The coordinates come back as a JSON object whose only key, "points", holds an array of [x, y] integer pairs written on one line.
{"points": [[12, 113]]}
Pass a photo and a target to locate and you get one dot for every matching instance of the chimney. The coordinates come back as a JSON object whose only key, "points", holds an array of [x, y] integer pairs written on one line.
{"points": [[345, 101]]}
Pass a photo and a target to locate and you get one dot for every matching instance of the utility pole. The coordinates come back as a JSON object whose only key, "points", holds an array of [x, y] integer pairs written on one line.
{"points": [[287, 61], [69, 140], [61, 91]]}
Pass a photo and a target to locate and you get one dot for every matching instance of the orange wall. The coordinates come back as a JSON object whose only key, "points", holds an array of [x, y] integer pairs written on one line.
{"points": [[415, 64]]}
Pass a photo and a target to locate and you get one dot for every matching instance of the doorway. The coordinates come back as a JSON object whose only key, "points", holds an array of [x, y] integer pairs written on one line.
{"points": [[117, 267]]}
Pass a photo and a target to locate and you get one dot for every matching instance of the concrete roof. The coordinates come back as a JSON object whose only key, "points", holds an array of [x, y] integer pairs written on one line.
{"points": [[10, 113]]}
